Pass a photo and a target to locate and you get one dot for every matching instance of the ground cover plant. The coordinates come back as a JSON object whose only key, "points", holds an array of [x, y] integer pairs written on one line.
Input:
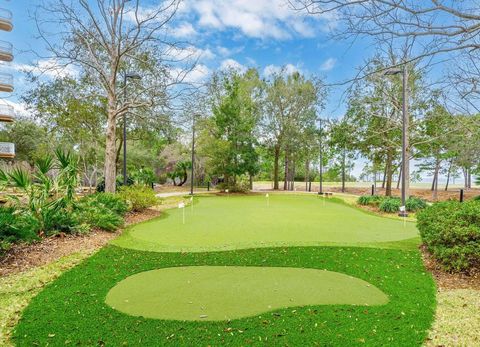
{"points": [[451, 232], [72, 310]]}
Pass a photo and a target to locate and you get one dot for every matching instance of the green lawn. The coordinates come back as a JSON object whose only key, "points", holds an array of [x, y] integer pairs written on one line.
{"points": [[333, 295], [235, 222], [232, 292]]}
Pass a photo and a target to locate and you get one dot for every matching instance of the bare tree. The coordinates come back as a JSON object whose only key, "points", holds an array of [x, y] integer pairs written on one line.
{"points": [[104, 38], [446, 25]]}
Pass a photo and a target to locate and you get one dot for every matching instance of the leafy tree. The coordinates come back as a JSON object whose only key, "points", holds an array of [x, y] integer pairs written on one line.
{"points": [[228, 138], [289, 108]]}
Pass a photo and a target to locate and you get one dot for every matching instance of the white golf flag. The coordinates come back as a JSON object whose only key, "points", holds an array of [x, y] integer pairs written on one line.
{"points": [[266, 195], [402, 208], [181, 205], [226, 190]]}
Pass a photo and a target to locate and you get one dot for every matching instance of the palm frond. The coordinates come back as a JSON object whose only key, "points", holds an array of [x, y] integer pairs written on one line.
{"points": [[21, 178]]}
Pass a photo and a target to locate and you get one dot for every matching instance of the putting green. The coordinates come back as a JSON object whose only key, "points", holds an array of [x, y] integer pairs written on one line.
{"points": [[236, 222], [229, 292]]}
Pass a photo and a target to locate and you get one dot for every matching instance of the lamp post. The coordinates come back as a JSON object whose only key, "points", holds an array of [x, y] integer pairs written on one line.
{"points": [[320, 190], [126, 76], [405, 139], [193, 154]]}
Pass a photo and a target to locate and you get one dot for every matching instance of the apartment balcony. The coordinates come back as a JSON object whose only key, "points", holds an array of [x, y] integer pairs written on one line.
{"points": [[7, 113], [6, 83], [6, 20], [6, 51], [7, 150]]}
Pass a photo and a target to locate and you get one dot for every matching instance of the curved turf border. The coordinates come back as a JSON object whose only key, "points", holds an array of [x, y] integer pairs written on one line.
{"points": [[72, 311]]}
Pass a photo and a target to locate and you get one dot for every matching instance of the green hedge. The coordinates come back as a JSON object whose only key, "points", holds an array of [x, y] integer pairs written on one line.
{"points": [[138, 198], [451, 232], [392, 204]]}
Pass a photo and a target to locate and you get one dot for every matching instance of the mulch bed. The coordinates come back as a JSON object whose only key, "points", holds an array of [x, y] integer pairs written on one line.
{"points": [[446, 280], [22, 257]]}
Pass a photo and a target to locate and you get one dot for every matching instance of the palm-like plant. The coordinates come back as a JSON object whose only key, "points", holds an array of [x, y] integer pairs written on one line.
{"points": [[45, 193]]}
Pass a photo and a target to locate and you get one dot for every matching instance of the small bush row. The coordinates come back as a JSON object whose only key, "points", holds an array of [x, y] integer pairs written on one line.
{"points": [[392, 204], [451, 232]]}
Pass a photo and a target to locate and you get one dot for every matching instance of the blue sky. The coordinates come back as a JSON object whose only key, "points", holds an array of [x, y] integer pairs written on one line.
{"points": [[265, 34]]}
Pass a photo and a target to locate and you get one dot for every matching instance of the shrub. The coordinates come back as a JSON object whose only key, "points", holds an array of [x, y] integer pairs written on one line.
{"points": [[101, 210], [477, 198], [451, 232], [17, 226], [118, 183], [414, 204], [138, 197], [372, 200], [390, 205], [110, 201]]}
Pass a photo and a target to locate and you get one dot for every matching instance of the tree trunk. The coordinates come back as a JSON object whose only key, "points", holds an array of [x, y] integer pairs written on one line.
{"points": [[384, 176], [400, 173], [292, 180], [465, 177], [435, 180], [275, 167], [448, 175], [251, 182], [286, 175], [110, 171], [388, 174], [307, 174]]}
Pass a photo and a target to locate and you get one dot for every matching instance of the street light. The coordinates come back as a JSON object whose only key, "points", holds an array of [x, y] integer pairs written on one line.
{"points": [[405, 126], [193, 153], [125, 78], [320, 190]]}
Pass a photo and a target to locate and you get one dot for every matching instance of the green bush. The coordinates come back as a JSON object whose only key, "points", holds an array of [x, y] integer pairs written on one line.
{"points": [[17, 226], [138, 198], [451, 232], [101, 210], [414, 204], [390, 205], [370, 200], [477, 198], [110, 201], [118, 183]]}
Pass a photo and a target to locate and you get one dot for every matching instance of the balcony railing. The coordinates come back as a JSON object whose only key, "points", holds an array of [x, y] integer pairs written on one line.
{"points": [[6, 20], [7, 113], [7, 150], [6, 83], [6, 51]]}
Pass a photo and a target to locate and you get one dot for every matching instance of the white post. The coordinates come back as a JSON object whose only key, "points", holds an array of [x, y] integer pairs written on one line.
{"points": [[182, 206]]}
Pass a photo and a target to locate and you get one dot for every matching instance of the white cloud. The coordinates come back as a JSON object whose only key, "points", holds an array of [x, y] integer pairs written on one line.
{"points": [[51, 68], [189, 53], [19, 108], [198, 74], [257, 18], [232, 64], [184, 30], [275, 69], [328, 64]]}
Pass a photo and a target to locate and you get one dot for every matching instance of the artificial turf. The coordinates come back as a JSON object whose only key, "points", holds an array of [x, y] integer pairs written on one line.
{"points": [[232, 292], [236, 222], [72, 310]]}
